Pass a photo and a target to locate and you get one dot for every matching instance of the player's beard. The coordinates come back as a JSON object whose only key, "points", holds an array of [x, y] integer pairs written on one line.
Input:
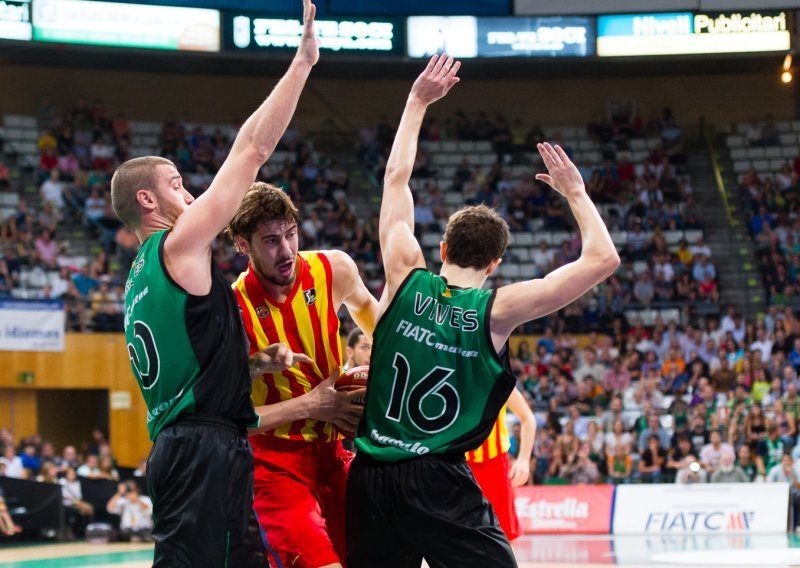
{"points": [[274, 276], [168, 209]]}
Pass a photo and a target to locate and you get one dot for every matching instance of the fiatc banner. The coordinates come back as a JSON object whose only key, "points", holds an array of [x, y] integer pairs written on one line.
{"points": [[584, 509], [31, 326], [708, 508]]}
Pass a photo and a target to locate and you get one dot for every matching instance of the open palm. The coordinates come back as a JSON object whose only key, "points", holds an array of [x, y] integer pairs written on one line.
{"points": [[436, 80]]}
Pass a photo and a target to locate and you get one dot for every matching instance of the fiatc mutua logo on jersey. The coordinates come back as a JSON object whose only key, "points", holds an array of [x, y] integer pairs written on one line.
{"points": [[699, 521]]}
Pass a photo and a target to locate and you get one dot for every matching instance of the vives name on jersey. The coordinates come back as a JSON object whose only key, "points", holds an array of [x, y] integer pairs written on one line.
{"points": [[455, 317]]}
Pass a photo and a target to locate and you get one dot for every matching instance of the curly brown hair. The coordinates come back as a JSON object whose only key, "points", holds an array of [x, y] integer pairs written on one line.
{"points": [[475, 236], [262, 203]]}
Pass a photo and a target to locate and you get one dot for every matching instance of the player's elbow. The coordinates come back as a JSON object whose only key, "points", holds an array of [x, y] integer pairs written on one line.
{"points": [[611, 262]]}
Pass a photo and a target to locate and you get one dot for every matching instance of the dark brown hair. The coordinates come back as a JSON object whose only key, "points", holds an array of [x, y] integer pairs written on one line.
{"points": [[475, 236], [130, 177], [262, 203]]}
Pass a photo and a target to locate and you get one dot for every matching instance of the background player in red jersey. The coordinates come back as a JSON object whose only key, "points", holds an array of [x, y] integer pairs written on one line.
{"points": [[493, 470], [289, 302]]}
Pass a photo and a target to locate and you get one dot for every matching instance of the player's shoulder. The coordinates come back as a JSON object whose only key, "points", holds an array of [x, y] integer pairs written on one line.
{"points": [[340, 262]]}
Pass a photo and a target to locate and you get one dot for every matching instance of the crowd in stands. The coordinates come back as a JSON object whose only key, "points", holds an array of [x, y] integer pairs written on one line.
{"points": [[717, 403], [80, 147], [772, 204], [36, 459]]}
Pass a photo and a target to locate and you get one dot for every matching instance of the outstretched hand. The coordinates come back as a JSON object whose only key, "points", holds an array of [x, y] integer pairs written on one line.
{"points": [[309, 44], [274, 359], [562, 174], [436, 80]]}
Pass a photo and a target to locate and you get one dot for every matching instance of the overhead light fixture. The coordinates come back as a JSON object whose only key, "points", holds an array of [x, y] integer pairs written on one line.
{"points": [[786, 77]]}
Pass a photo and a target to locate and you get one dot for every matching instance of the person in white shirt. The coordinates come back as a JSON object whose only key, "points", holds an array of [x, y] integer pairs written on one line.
{"points": [[763, 344], [91, 468], [712, 452], [135, 511], [52, 190], [13, 462], [700, 247]]}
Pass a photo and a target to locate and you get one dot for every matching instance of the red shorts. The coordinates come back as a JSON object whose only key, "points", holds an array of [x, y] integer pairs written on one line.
{"points": [[492, 476], [300, 501]]}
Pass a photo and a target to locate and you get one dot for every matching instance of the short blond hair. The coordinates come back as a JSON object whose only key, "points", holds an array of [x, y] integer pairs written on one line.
{"points": [[130, 177]]}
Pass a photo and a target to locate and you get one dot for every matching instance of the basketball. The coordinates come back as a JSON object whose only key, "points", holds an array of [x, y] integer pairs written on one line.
{"points": [[354, 379]]}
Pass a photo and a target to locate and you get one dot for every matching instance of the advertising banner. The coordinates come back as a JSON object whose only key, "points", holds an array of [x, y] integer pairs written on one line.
{"points": [[584, 509], [468, 36], [31, 326], [678, 33], [126, 25], [708, 508], [346, 35], [15, 20]]}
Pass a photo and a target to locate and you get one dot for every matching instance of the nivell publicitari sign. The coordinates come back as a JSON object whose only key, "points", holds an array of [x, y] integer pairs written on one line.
{"points": [[126, 25], [346, 35], [15, 20], [468, 36], [681, 33]]}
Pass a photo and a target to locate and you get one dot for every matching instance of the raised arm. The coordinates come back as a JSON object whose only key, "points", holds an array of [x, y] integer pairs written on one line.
{"points": [[188, 247], [349, 289], [525, 301], [400, 250]]}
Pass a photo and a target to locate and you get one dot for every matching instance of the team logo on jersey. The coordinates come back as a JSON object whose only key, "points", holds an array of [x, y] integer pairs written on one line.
{"points": [[262, 312], [138, 268], [447, 293], [310, 295]]}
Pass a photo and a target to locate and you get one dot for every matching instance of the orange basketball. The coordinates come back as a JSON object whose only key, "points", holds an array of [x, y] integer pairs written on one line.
{"points": [[354, 379]]}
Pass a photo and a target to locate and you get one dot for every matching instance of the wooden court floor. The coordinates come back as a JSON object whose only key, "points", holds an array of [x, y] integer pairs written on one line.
{"points": [[668, 551]]}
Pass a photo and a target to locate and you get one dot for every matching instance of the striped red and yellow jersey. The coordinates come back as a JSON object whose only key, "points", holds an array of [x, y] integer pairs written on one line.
{"points": [[307, 323], [497, 443]]}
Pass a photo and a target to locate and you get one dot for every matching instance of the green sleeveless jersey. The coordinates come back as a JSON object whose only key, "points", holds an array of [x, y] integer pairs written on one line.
{"points": [[188, 353], [436, 384]]}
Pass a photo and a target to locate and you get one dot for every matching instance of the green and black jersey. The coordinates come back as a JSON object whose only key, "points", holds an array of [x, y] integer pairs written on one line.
{"points": [[436, 383], [188, 353]]}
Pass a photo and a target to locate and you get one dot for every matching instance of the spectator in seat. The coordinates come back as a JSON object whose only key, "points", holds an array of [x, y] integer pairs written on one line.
{"points": [[769, 451], [654, 460], [582, 470], [52, 190], [135, 511], [691, 472], [79, 512], [653, 429], [13, 462], [620, 465], [744, 460], [712, 453], [786, 472], [728, 471]]}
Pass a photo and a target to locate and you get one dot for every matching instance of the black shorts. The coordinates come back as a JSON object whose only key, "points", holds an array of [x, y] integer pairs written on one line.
{"points": [[200, 478], [429, 507]]}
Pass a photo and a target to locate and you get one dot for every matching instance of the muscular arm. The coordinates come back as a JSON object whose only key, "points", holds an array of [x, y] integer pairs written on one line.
{"points": [[349, 289], [188, 247], [524, 301], [520, 474], [400, 250]]}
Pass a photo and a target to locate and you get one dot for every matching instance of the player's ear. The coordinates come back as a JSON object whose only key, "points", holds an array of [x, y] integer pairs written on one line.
{"points": [[493, 266], [146, 199], [242, 244], [443, 250]]}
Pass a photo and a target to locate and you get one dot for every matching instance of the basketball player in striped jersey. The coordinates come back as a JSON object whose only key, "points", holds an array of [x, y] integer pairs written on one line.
{"points": [[491, 466], [289, 301]]}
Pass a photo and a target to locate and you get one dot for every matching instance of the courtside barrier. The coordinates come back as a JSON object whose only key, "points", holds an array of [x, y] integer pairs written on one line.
{"points": [[708, 508], [578, 509]]}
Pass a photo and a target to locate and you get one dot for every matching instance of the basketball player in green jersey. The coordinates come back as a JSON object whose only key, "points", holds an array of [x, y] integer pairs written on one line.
{"points": [[439, 371], [185, 338]]}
